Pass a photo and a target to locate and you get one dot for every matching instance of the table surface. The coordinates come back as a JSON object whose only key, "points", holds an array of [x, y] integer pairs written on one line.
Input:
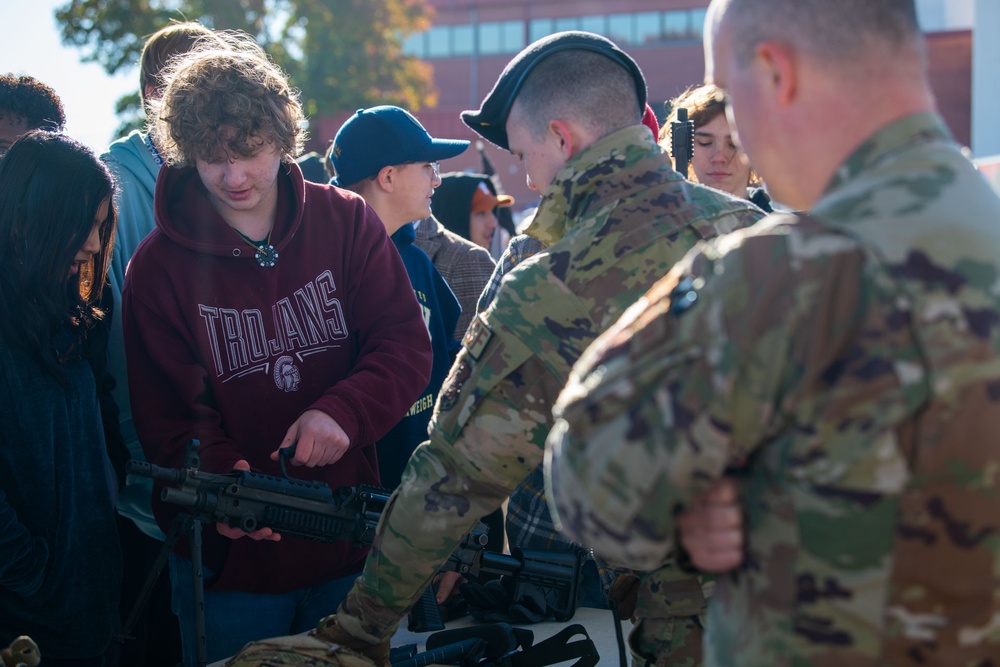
{"points": [[598, 623]]}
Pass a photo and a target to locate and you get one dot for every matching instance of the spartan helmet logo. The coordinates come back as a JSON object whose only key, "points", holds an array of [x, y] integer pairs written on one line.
{"points": [[286, 374]]}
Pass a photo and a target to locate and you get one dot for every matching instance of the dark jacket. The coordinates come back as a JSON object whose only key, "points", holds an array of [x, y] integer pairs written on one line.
{"points": [[60, 565], [440, 309]]}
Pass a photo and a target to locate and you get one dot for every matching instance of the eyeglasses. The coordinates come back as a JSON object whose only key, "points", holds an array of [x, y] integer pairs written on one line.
{"points": [[435, 167]]}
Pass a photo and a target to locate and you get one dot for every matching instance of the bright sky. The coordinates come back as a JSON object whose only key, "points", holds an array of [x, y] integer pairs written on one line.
{"points": [[31, 45]]}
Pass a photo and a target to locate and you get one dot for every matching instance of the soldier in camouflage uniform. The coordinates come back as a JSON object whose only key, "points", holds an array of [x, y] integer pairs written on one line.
{"points": [[615, 217], [843, 364]]}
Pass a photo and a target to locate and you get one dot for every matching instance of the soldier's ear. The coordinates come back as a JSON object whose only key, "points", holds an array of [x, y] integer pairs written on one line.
{"points": [[776, 68], [565, 134]]}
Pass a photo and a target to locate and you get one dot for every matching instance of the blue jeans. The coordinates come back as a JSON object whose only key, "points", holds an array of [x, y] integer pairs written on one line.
{"points": [[234, 618]]}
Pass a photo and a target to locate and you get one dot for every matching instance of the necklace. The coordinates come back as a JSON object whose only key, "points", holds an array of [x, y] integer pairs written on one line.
{"points": [[266, 255]]}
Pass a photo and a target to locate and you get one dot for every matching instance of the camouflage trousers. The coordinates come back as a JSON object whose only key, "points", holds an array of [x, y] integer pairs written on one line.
{"points": [[674, 641]]}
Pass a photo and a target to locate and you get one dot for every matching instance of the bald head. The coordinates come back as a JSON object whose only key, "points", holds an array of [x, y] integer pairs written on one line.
{"points": [[836, 31], [809, 80]]}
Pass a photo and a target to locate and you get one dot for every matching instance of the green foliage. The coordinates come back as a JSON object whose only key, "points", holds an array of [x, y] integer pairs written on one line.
{"points": [[342, 54]]}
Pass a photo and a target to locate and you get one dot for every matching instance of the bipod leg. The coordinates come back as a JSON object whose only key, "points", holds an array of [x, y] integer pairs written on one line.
{"points": [[198, 582], [178, 527]]}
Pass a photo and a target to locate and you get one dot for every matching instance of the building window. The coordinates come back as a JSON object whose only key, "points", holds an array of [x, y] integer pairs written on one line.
{"points": [[647, 28], [539, 28], [439, 42], [698, 23], [503, 37], [621, 28], [676, 25], [568, 23], [513, 36], [596, 24], [462, 43], [416, 45]]}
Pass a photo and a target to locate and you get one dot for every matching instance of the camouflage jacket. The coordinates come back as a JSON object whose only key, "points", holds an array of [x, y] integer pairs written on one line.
{"points": [[616, 218], [846, 366]]}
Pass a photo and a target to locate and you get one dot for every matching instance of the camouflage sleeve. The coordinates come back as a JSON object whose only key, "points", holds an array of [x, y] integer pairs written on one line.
{"points": [[487, 435], [687, 384]]}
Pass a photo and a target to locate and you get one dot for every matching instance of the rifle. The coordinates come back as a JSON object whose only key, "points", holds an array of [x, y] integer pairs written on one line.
{"points": [[682, 141], [312, 510], [251, 500]]}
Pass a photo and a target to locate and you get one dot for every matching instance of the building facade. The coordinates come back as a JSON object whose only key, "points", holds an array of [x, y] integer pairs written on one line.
{"points": [[471, 41]]}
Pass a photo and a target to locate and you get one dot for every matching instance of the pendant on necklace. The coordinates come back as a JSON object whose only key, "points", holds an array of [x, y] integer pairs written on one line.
{"points": [[266, 255]]}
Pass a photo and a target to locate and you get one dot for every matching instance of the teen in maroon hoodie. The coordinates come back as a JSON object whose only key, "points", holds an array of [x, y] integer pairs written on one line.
{"points": [[262, 312]]}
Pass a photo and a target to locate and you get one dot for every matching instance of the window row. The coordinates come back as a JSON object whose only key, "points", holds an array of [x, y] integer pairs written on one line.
{"points": [[503, 37]]}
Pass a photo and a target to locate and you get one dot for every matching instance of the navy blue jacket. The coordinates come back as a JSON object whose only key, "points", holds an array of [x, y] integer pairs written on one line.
{"points": [[441, 311]]}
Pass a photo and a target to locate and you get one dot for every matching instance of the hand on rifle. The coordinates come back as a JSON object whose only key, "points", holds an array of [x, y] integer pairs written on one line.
{"points": [[317, 438], [447, 585], [236, 533]]}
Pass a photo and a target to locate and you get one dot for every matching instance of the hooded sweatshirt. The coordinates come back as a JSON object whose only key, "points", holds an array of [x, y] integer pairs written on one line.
{"points": [[231, 353], [452, 200], [135, 165]]}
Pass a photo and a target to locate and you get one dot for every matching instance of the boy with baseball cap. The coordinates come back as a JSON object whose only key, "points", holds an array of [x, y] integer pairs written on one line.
{"points": [[387, 157]]}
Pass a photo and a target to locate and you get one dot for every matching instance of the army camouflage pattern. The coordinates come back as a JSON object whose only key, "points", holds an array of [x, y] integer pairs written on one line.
{"points": [[615, 219], [297, 651], [845, 367]]}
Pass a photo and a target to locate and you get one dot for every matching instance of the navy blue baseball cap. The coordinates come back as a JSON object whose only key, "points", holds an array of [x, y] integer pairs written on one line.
{"points": [[490, 120], [382, 136]]}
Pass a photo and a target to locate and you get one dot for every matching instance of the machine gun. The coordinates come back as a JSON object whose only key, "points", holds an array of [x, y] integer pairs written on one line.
{"points": [[547, 581], [682, 141], [251, 500]]}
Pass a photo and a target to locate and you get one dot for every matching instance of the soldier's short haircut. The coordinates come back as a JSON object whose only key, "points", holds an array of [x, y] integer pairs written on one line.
{"points": [[587, 87], [29, 98], [164, 44], [224, 101], [833, 30]]}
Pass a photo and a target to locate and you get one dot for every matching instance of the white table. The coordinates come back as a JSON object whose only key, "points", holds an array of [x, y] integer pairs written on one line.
{"points": [[598, 623]]}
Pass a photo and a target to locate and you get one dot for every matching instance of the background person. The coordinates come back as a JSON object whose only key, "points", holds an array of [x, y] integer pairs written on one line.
{"points": [[27, 104], [841, 364], [466, 204], [717, 160], [135, 161], [465, 266], [385, 155], [60, 563]]}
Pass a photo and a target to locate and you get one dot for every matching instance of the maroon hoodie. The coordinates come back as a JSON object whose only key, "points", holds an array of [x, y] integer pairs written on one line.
{"points": [[232, 353]]}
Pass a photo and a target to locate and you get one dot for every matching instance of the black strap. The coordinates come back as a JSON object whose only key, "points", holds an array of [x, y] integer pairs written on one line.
{"points": [[557, 648], [501, 645]]}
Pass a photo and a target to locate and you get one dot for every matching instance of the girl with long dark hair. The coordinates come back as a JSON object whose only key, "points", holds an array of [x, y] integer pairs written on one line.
{"points": [[60, 563]]}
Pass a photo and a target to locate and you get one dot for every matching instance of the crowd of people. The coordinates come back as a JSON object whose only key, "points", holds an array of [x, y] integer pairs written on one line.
{"points": [[757, 399]]}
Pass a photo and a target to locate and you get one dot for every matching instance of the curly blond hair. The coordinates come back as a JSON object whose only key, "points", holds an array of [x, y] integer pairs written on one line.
{"points": [[226, 99]]}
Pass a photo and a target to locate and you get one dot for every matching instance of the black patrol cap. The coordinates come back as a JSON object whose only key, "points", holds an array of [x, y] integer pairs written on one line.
{"points": [[490, 120]]}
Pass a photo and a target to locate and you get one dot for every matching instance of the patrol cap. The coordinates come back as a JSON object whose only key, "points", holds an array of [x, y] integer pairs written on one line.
{"points": [[381, 136], [490, 120]]}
